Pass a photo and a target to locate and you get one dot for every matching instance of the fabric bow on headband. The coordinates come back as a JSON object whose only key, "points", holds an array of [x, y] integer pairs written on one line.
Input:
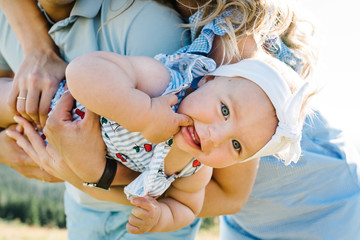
{"points": [[285, 143]]}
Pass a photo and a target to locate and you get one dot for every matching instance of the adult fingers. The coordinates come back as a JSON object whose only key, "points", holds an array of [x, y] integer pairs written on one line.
{"points": [[35, 139], [32, 105], [91, 119], [36, 148], [24, 144], [44, 106], [19, 159], [12, 100], [21, 104], [60, 113], [45, 101], [63, 108]]}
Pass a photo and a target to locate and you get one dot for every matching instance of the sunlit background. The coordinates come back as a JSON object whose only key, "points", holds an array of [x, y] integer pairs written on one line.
{"points": [[338, 71]]}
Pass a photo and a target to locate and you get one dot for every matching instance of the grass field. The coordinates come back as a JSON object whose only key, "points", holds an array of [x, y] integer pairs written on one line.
{"points": [[18, 231]]}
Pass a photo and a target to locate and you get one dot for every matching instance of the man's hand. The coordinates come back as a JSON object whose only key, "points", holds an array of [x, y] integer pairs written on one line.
{"points": [[79, 142]]}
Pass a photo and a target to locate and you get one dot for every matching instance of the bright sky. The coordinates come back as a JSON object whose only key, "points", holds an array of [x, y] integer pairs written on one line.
{"points": [[338, 71]]}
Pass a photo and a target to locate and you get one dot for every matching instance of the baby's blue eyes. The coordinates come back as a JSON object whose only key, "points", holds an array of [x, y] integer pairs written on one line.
{"points": [[224, 110], [236, 145]]}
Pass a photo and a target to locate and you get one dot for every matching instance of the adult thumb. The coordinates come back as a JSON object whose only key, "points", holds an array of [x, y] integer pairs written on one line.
{"points": [[91, 118], [65, 104]]}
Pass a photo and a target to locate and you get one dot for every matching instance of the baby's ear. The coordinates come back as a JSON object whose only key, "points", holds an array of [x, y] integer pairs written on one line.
{"points": [[205, 79]]}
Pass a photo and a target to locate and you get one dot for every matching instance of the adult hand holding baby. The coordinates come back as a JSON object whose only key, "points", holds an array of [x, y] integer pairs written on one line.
{"points": [[35, 85]]}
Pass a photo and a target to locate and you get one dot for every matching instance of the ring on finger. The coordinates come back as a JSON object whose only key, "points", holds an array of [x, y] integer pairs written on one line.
{"points": [[21, 98]]}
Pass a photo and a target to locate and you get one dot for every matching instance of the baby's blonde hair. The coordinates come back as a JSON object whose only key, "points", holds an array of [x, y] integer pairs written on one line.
{"points": [[260, 18]]}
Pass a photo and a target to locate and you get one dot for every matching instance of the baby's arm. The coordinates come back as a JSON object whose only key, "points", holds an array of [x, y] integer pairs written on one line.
{"points": [[126, 89], [231, 186], [177, 209]]}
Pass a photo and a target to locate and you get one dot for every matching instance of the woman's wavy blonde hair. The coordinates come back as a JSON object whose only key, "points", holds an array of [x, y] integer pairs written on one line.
{"points": [[260, 18]]}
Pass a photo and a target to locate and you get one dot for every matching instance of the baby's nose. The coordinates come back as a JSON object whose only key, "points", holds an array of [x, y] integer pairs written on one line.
{"points": [[216, 137]]}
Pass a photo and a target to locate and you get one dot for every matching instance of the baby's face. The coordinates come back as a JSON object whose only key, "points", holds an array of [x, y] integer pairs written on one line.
{"points": [[233, 119]]}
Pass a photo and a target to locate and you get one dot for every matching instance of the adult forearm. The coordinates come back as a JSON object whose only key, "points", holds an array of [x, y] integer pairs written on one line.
{"points": [[116, 194], [29, 24], [124, 175], [7, 115]]}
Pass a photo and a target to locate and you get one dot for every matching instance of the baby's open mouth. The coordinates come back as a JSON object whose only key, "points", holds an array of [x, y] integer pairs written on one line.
{"points": [[195, 136]]}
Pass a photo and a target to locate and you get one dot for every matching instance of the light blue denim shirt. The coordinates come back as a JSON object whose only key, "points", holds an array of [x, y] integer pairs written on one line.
{"points": [[316, 198]]}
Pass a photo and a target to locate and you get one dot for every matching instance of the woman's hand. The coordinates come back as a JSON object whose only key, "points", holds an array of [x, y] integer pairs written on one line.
{"points": [[43, 155], [15, 157], [47, 157], [35, 84], [21, 160], [78, 142]]}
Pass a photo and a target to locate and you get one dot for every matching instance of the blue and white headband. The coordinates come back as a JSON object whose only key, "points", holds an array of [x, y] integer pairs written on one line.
{"points": [[285, 143]]}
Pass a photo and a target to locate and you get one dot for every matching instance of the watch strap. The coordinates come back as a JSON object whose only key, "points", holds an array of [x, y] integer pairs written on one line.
{"points": [[107, 177]]}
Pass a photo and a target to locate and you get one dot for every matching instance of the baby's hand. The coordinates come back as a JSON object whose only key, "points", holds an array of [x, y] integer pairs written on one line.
{"points": [[144, 216], [164, 122]]}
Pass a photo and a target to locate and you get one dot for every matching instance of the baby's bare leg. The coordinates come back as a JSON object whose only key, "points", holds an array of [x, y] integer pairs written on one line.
{"points": [[6, 115]]}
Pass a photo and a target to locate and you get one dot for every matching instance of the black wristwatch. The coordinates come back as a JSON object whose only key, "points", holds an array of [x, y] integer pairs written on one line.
{"points": [[107, 177]]}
